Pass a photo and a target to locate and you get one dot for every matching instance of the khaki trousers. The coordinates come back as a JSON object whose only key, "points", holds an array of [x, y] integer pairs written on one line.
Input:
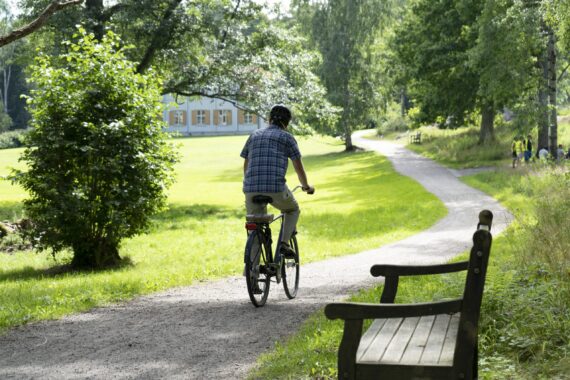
{"points": [[284, 202]]}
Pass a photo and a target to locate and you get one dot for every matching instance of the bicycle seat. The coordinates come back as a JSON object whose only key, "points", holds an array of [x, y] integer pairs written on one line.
{"points": [[261, 199], [259, 218]]}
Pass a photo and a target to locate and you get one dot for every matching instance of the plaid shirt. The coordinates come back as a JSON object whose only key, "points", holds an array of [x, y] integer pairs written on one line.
{"points": [[267, 151]]}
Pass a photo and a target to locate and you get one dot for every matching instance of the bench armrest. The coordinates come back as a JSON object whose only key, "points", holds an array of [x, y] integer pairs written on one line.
{"points": [[359, 311], [413, 270]]}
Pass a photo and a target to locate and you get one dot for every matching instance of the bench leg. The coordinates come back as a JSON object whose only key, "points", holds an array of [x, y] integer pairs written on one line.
{"points": [[348, 348]]}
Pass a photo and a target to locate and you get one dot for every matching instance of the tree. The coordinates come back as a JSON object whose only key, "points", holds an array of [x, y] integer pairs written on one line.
{"points": [[345, 31], [98, 163], [432, 47], [217, 48], [505, 56]]}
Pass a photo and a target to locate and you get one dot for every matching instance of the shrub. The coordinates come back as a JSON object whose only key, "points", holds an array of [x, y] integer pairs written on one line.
{"points": [[393, 121], [13, 139], [98, 162]]}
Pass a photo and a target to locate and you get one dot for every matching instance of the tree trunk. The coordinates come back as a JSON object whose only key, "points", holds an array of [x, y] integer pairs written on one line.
{"points": [[404, 102], [95, 253], [543, 124], [348, 139], [552, 88], [94, 10], [487, 131]]}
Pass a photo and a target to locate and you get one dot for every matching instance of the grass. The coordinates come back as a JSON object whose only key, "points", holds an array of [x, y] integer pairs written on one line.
{"points": [[525, 320], [360, 203], [458, 148]]}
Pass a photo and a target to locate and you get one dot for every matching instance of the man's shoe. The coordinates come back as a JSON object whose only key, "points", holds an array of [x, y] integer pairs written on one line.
{"points": [[286, 251]]}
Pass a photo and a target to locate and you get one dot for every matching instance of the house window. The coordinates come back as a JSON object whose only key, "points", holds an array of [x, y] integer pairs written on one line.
{"points": [[178, 117], [201, 117], [223, 117], [248, 118]]}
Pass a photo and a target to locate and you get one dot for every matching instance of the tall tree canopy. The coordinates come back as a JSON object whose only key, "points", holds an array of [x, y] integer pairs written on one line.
{"points": [[217, 48], [345, 32]]}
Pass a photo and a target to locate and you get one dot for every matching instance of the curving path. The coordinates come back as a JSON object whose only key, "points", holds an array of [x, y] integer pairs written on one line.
{"points": [[209, 330]]}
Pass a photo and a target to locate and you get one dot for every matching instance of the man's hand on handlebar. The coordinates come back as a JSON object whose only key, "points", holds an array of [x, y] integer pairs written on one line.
{"points": [[308, 189]]}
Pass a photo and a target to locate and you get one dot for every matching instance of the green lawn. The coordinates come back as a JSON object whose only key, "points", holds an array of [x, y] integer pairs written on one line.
{"points": [[360, 203]]}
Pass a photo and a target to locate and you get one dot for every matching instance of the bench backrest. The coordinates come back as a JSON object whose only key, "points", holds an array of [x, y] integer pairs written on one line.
{"points": [[465, 356]]}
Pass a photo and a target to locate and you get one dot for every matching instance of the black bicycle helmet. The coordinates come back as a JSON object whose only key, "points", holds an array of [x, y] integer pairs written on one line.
{"points": [[280, 114]]}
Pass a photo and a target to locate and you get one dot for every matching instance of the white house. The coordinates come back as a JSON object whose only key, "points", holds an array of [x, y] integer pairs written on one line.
{"points": [[205, 116]]}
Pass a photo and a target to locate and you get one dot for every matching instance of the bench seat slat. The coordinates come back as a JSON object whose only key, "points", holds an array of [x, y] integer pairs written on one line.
{"points": [[400, 341], [369, 336], [382, 336], [428, 340], [418, 342], [436, 339], [448, 350]]}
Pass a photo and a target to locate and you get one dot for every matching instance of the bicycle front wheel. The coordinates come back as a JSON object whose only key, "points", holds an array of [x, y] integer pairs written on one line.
{"points": [[256, 268], [290, 270]]}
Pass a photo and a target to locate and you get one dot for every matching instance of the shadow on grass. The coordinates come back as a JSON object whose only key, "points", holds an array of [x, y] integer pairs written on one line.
{"points": [[58, 270], [176, 213]]}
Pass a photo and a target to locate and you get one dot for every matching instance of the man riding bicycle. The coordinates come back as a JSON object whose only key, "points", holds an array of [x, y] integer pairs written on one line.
{"points": [[266, 155]]}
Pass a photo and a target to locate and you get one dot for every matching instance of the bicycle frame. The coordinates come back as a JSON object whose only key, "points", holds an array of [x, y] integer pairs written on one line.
{"points": [[265, 230]]}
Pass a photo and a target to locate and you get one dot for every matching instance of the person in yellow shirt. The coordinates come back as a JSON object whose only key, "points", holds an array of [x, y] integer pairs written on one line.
{"points": [[518, 150]]}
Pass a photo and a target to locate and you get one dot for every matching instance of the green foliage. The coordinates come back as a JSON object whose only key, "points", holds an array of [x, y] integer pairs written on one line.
{"points": [[13, 139], [509, 39], [393, 121], [346, 32], [98, 163], [431, 45]]}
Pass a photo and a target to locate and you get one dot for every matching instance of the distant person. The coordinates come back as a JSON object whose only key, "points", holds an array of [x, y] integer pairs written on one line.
{"points": [[543, 154], [560, 154], [518, 150], [528, 148]]}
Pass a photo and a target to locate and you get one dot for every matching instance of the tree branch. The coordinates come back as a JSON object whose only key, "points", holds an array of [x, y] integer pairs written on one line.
{"points": [[22, 32], [224, 97], [563, 72], [160, 37]]}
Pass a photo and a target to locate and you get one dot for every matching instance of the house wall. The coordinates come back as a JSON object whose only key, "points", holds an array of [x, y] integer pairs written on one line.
{"points": [[205, 116]]}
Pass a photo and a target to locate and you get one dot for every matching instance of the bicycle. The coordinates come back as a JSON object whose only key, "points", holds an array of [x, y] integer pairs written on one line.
{"points": [[258, 257]]}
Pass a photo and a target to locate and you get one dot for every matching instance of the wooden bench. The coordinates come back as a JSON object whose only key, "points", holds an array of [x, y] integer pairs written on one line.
{"points": [[435, 340], [416, 138]]}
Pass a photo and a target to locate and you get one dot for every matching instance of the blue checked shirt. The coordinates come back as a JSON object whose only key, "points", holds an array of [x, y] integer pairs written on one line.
{"points": [[267, 151]]}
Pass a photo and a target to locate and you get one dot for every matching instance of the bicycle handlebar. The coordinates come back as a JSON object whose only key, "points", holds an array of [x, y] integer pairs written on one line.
{"points": [[301, 187]]}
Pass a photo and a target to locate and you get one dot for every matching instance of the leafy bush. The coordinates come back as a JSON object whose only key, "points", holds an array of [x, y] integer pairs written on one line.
{"points": [[98, 162], [13, 139], [393, 121]]}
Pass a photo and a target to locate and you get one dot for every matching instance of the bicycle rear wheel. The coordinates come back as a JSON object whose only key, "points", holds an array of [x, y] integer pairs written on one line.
{"points": [[256, 273], [290, 270]]}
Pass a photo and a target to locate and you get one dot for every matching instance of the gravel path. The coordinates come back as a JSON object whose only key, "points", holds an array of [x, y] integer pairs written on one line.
{"points": [[210, 330]]}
